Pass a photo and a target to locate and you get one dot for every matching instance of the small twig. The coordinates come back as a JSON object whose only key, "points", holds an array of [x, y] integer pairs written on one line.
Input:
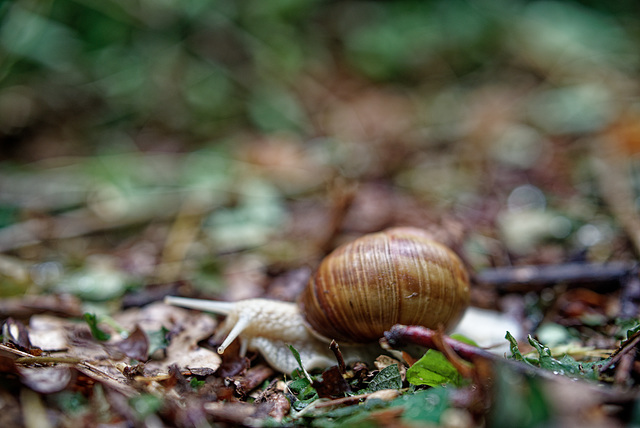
{"points": [[532, 278], [48, 360], [254, 377], [400, 335], [335, 348], [353, 399], [261, 396], [630, 295], [624, 367], [629, 345], [441, 344]]}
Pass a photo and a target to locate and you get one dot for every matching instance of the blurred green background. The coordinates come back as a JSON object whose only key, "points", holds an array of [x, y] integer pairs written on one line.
{"points": [[91, 76]]}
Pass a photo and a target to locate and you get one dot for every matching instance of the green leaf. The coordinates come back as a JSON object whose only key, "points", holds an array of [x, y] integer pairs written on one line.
{"points": [[566, 366], [158, 340], [627, 327], [196, 384], [351, 416], [519, 400], [463, 339], [304, 393], [633, 331], [515, 351], [387, 378], [145, 405], [424, 406], [96, 332], [296, 355], [433, 369]]}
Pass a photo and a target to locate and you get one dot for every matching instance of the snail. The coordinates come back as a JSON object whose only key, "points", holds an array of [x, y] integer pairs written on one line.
{"points": [[360, 290]]}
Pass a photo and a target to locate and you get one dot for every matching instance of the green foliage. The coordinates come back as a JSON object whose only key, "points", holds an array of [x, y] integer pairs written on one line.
{"points": [[145, 405], [566, 366], [70, 402], [513, 347], [296, 355], [433, 369], [206, 68], [357, 416], [384, 46], [424, 406], [195, 383], [519, 401], [94, 281], [627, 328], [258, 212], [96, 331], [197, 67], [304, 393], [387, 378], [158, 339], [8, 215]]}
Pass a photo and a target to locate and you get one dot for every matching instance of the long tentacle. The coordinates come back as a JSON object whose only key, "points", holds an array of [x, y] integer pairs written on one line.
{"points": [[240, 325], [221, 308]]}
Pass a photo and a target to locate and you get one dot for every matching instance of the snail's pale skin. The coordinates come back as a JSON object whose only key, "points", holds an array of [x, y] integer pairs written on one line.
{"points": [[425, 284], [269, 327]]}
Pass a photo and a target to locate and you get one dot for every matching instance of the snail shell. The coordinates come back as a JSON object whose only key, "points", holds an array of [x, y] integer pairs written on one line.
{"points": [[398, 276]]}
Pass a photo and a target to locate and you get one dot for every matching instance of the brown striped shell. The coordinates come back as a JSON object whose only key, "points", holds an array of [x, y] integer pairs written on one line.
{"points": [[398, 276]]}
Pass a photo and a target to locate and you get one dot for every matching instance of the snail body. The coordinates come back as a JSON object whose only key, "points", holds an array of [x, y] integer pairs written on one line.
{"points": [[360, 290]]}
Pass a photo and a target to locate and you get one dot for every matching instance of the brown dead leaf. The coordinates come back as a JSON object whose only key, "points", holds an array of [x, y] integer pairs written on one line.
{"points": [[101, 364], [16, 333], [136, 345], [332, 384], [281, 405], [232, 362], [186, 328]]}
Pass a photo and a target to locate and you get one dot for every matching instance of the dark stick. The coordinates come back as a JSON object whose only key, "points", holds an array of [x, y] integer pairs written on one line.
{"points": [[338, 354], [254, 377], [535, 278], [630, 295], [400, 335]]}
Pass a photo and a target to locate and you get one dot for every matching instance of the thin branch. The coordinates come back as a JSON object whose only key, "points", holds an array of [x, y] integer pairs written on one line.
{"points": [[535, 278]]}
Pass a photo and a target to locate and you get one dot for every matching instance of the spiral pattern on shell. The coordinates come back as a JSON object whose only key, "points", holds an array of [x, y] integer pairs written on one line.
{"points": [[398, 276]]}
